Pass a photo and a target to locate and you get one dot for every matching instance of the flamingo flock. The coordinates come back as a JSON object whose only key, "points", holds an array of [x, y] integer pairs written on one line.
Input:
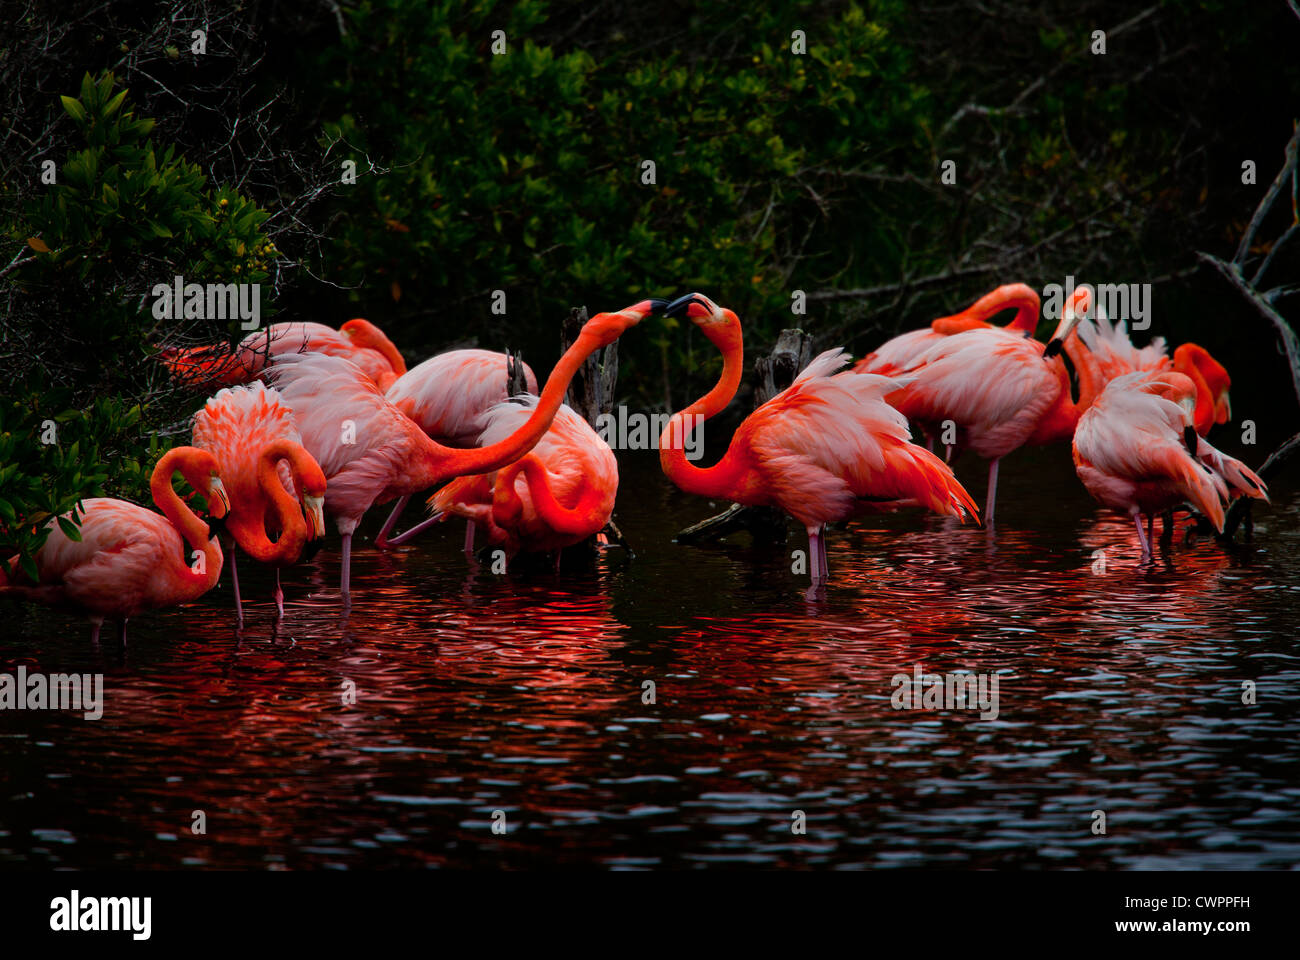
{"points": [[308, 422]]}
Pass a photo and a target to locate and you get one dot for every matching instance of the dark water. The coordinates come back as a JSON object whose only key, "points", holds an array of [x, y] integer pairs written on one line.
{"points": [[1119, 692]]}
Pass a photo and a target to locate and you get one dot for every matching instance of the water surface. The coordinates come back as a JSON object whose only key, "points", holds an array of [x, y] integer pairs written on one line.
{"points": [[523, 694]]}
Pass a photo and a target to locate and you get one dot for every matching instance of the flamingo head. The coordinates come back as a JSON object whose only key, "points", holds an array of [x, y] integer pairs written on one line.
{"points": [[363, 333], [1075, 309], [719, 324], [1178, 388], [1194, 356], [608, 327], [311, 481]]}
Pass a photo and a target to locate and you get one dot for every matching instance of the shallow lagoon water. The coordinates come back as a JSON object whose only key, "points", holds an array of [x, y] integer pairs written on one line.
{"points": [[478, 693]]}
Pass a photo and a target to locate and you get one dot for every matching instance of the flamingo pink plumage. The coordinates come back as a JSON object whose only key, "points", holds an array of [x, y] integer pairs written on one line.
{"points": [[372, 453], [897, 355], [825, 449], [357, 340], [272, 481], [130, 559], [999, 391], [559, 494], [1116, 355], [449, 394], [1137, 451]]}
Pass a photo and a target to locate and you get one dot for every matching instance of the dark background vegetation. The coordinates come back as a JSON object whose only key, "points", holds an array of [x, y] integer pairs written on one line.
{"points": [[521, 172]]}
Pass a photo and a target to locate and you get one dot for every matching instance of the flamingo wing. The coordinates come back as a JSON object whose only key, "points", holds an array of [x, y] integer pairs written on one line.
{"points": [[449, 394], [830, 446]]}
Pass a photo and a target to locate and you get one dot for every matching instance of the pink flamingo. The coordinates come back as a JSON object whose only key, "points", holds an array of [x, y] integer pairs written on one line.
{"points": [[372, 453], [1116, 355], [1137, 451], [272, 481], [449, 396], [357, 340], [896, 355], [559, 494], [129, 559], [825, 449], [999, 391]]}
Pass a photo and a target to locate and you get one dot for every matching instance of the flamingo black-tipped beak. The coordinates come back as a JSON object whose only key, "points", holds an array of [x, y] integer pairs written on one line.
{"points": [[216, 525], [657, 304], [1191, 439], [1054, 348], [681, 305]]}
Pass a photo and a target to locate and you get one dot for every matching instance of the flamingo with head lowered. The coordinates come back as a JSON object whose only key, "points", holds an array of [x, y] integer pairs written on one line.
{"points": [[449, 396], [129, 559], [825, 449], [896, 355], [357, 340], [1137, 451], [371, 452], [273, 482], [559, 494], [999, 391]]}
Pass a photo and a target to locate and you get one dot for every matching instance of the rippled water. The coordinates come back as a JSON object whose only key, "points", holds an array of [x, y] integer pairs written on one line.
{"points": [[477, 693]]}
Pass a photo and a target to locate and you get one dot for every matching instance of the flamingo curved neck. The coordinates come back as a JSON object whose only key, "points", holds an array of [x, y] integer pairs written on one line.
{"points": [[249, 526], [194, 531], [723, 478], [1061, 419], [576, 520], [1204, 413]]}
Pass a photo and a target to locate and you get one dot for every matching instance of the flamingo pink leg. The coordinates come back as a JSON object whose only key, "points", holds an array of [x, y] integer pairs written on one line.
{"points": [[278, 594], [382, 541], [1151, 524], [469, 538], [1142, 538], [121, 631], [347, 565], [993, 492], [94, 631], [234, 580], [817, 555], [402, 538]]}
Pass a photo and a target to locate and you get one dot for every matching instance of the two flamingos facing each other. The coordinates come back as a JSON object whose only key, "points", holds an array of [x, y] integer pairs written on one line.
{"points": [[825, 449], [130, 559], [372, 453], [1137, 451], [274, 484]]}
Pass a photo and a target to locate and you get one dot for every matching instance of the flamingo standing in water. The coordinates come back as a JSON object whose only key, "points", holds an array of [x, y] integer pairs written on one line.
{"points": [[896, 355], [559, 494], [1137, 451], [371, 452], [449, 396], [272, 481], [1000, 390], [825, 449], [129, 559], [357, 340]]}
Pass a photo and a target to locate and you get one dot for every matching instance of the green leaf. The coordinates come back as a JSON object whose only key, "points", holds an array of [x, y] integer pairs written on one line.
{"points": [[69, 529], [75, 109]]}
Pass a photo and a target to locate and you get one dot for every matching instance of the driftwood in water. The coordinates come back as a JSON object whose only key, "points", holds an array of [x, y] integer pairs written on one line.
{"points": [[1264, 300], [591, 391], [776, 371]]}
